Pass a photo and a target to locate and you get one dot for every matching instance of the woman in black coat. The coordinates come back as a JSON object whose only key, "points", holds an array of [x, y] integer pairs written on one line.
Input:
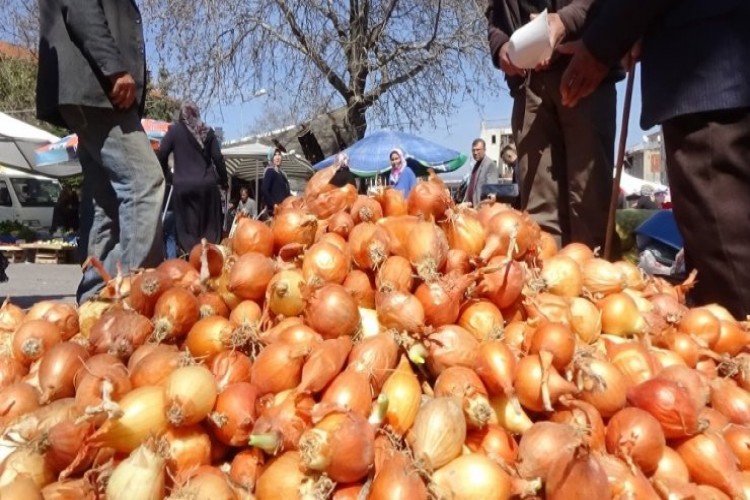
{"points": [[199, 170], [275, 187]]}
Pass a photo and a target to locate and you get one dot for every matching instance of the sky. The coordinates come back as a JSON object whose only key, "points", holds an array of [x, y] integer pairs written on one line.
{"points": [[461, 129]]}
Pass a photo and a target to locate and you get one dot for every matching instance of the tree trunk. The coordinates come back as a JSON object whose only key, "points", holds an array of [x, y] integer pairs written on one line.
{"points": [[356, 122]]}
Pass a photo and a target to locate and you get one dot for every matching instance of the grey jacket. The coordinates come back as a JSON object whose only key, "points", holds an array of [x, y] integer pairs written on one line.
{"points": [[487, 174], [81, 44], [694, 57]]}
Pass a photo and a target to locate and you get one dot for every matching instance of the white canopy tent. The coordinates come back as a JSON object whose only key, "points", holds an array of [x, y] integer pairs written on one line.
{"points": [[248, 161], [632, 185], [18, 140]]}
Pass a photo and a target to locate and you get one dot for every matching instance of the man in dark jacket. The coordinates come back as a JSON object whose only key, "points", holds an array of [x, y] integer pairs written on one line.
{"points": [[696, 84], [565, 155], [92, 72]]}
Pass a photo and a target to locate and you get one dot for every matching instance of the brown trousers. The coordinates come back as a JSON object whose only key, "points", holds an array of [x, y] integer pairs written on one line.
{"points": [[566, 158], [708, 162]]}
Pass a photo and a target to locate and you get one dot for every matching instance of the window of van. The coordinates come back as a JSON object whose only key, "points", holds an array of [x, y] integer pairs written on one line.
{"points": [[5, 200], [35, 192]]}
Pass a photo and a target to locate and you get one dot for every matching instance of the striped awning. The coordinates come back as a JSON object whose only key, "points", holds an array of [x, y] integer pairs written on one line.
{"points": [[248, 161]]}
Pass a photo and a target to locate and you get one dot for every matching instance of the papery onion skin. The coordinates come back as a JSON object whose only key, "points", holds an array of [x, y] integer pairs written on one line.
{"points": [[400, 311], [16, 400], [376, 356], [58, 368], [669, 403], [495, 442], [451, 345], [120, 332], [472, 476], [281, 478], [634, 434], [482, 319], [323, 364], [293, 226], [188, 448], [438, 433], [395, 275], [211, 304], [278, 367], [146, 289], [64, 316], [209, 336], [359, 284], [234, 414], [230, 367], [496, 366], [34, 338], [710, 461], [252, 235], [584, 417], [332, 312], [528, 382], [738, 439], [250, 276], [602, 385], [190, 393], [540, 446], [671, 466], [397, 480], [350, 390], [327, 263], [576, 474]]}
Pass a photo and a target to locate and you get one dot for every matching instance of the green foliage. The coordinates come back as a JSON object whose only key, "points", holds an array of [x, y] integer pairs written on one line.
{"points": [[17, 229]]}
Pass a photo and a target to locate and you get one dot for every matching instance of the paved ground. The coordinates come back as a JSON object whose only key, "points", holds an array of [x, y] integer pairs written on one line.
{"points": [[30, 283]]}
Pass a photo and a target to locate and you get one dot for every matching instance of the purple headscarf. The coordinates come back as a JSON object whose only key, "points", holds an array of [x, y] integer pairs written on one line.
{"points": [[190, 116]]}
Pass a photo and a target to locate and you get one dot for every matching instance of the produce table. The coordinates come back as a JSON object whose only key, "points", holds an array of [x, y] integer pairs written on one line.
{"points": [[13, 253], [49, 253]]}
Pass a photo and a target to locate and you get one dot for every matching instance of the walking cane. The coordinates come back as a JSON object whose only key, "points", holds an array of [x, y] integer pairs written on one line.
{"points": [[166, 205], [620, 161]]}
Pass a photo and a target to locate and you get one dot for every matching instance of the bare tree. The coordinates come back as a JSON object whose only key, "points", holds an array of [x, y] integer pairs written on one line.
{"points": [[401, 62]]}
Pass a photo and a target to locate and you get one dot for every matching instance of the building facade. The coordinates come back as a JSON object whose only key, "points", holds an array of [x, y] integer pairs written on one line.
{"points": [[647, 160]]}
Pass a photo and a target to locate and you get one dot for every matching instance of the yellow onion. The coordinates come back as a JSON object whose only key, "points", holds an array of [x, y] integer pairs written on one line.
{"points": [[620, 315], [252, 235], [190, 393], [438, 433], [284, 295], [562, 276], [326, 263], [138, 477], [601, 277], [472, 476], [465, 232], [293, 227], [403, 392]]}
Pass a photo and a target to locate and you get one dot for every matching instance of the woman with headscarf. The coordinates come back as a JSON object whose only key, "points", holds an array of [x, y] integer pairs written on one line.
{"points": [[343, 175], [199, 170], [402, 177], [275, 187]]}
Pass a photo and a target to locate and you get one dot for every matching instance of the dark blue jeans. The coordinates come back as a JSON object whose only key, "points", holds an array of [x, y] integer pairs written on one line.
{"points": [[170, 235], [122, 195]]}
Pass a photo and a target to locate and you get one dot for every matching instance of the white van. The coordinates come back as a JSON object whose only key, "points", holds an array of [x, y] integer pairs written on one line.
{"points": [[27, 198]]}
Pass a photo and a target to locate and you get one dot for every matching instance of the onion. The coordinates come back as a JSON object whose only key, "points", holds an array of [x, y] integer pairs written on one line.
{"points": [[230, 367], [341, 445], [562, 276], [578, 252], [146, 289], [731, 400], [582, 416], [458, 262], [395, 275], [369, 245], [585, 320], [234, 414], [245, 313], [188, 448], [496, 367], [399, 230], [210, 336], [625, 481], [694, 383], [710, 461], [214, 258], [634, 275], [64, 316], [359, 284], [702, 324], [299, 335], [284, 295], [324, 363], [472, 476], [34, 424], [450, 345], [482, 319], [332, 312], [397, 480], [156, 367], [403, 392], [366, 209], [250, 276], [620, 316], [281, 478], [57, 370], [280, 425], [376, 356], [175, 313], [278, 367], [738, 439], [441, 299], [190, 393], [102, 380], [141, 475], [712, 419], [427, 249], [669, 403], [66, 453], [556, 339], [293, 226], [494, 442], [632, 359], [546, 247], [464, 232], [538, 384], [547, 307], [634, 435], [438, 433], [326, 263], [17, 400], [221, 286], [429, 199], [120, 333], [576, 474], [720, 312], [246, 467], [33, 339], [392, 201], [464, 385], [541, 445], [181, 273], [11, 371], [602, 385], [11, 316], [510, 415], [143, 415], [341, 223], [733, 337], [671, 466], [400, 311], [509, 233], [349, 391], [601, 278], [211, 304], [331, 200], [502, 287], [26, 462]]}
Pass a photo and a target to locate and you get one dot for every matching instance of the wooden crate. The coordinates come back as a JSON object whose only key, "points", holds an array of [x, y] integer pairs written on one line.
{"points": [[13, 253]]}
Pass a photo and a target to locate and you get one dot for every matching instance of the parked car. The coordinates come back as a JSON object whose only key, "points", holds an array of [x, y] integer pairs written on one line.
{"points": [[27, 198]]}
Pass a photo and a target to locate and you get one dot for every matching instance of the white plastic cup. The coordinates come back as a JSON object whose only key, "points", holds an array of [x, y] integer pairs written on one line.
{"points": [[530, 45]]}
